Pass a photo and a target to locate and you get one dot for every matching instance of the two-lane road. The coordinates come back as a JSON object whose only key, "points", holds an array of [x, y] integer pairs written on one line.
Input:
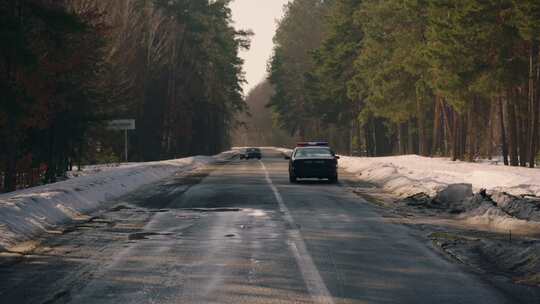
{"points": [[239, 232]]}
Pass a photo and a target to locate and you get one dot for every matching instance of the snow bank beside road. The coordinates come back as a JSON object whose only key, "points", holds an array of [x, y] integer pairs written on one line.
{"points": [[410, 174], [27, 213], [94, 169], [449, 187]]}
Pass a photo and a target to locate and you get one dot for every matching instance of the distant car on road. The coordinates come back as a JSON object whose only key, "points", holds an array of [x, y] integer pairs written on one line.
{"points": [[251, 153], [313, 160]]}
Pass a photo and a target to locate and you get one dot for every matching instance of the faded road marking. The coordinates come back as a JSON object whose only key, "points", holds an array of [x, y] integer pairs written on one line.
{"points": [[314, 282]]}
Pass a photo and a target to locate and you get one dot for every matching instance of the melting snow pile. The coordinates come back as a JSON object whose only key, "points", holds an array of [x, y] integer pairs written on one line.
{"points": [[509, 202], [27, 213], [404, 175]]}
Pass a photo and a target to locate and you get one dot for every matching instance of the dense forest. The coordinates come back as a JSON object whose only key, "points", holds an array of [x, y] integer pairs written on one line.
{"points": [[69, 66], [435, 78]]}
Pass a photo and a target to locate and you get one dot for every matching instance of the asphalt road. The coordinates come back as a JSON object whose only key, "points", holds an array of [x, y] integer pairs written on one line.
{"points": [[239, 232]]}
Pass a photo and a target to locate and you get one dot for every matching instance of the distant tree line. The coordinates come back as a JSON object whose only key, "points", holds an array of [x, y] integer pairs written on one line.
{"points": [[257, 124], [68, 66], [380, 77]]}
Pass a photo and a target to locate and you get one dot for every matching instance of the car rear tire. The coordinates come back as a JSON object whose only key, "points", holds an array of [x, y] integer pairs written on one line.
{"points": [[292, 178], [333, 179]]}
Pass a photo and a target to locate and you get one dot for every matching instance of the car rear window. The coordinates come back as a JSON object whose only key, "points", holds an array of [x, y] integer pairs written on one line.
{"points": [[313, 152]]}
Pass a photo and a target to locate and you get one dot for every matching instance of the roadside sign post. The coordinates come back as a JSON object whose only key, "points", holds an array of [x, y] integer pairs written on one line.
{"points": [[123, 125]]}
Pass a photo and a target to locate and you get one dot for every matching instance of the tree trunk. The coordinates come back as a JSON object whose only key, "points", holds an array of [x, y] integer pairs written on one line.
{"points": [[459, 137], [377, 137], [50, 175], [80, 152], [351, 137], [463, 137], [489, 148], [522, 125], [360, 143], [436, 127], [471, 151], [522, 135], [413, 137], [368, 133], [422, 140], [512, 129], [456, 138], [403, 138], [10, 177], [448, 129], [504, 144], [534, 69]]}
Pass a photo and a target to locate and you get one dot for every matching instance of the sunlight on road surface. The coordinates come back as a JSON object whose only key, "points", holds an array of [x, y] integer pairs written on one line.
{"points": [[256, 212]]}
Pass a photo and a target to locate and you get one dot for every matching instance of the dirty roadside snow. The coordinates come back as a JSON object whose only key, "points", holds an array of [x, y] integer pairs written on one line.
{"points": [[510, 200], [28, 213], [406, 175], [483, 215]]}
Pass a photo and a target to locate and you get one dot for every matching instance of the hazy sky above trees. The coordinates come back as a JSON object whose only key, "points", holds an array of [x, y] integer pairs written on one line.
{"points": [[260, 16]]}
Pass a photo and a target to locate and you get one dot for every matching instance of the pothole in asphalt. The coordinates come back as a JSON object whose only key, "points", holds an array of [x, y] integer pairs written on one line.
{"points": [[146, 235], [187, 217], [158, 210], [120, 208], [205, 210], [92, 225], [100, 220], [122, 230]]}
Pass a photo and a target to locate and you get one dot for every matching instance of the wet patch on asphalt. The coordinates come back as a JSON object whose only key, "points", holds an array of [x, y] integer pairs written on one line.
{"points": [[161, 196]]}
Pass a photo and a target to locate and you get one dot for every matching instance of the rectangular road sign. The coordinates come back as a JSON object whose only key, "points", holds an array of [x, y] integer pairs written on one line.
{"points": [[121, 124]]}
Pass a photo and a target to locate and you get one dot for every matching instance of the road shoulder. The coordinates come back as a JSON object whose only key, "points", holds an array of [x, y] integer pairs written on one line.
{"points": [[510, 262]]}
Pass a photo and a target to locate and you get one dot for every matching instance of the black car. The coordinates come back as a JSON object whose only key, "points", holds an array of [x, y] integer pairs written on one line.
{"points": [[251, 153], [317, 161]]}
